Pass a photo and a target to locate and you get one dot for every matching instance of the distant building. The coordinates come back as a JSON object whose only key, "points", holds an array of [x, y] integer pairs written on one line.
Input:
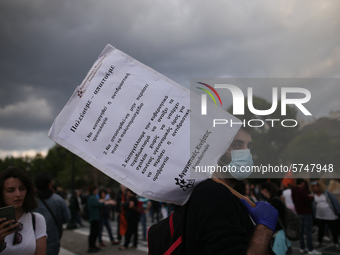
{"points": [[329, 125], [305, 122], [335, 115]]}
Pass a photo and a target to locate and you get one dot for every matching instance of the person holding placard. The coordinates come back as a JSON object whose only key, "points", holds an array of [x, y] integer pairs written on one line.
{"points": [[218, 222]]}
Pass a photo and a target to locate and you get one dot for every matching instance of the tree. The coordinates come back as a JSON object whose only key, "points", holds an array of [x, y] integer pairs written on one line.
{"points": [[314, 147], [61, 163], [270, 137], [19, 162], [315, 154]]}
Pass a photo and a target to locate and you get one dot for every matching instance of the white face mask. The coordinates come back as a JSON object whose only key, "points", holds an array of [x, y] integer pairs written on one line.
{"points": [[240, 158]]}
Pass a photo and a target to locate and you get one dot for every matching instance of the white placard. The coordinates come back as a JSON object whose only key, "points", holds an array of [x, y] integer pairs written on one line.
{"points": [[133, 124]]}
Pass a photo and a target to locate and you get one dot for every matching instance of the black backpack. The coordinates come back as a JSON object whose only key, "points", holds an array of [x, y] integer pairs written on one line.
{"points": [[167, 236], [292, 228]]}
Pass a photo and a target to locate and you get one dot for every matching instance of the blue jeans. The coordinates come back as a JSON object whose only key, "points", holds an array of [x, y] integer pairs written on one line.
{"points": [[105, 222], [143, 222], [306, 226]]}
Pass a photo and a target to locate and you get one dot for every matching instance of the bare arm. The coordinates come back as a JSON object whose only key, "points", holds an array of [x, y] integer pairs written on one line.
{"points": [[110, 202], [265, 216], [260, 240], [40, 246]]}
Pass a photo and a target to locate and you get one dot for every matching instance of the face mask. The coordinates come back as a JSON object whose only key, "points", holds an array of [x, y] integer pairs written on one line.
{"points": [[240, 158]]}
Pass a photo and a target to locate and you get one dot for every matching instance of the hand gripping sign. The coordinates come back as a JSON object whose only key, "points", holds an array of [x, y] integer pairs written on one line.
{"points": [[136, 126]]}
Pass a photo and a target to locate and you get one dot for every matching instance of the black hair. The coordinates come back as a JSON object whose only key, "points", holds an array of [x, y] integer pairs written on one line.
{"points": [[30, 202], [299, 181], [91, 188], [223, 160], [43, 181], [272, 189], [102, 191]]}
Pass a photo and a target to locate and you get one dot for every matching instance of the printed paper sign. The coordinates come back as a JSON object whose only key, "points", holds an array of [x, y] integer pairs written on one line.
{"points": [[136, 126]]}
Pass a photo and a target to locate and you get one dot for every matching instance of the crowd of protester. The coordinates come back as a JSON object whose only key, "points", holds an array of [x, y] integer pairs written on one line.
{"points": [[101, 207], [316, 202], [130, 210]]}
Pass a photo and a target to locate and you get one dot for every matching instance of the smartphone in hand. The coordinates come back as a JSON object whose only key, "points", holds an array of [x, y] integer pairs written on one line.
{"points": [[8, 212]]}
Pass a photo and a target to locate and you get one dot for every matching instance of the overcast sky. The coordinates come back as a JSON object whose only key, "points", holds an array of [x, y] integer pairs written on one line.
{"points": [[47, 48]]}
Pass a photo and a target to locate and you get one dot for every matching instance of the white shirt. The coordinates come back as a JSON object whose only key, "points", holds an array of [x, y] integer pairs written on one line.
{"points": [[323, 209], [287, 194], [29, 236]]}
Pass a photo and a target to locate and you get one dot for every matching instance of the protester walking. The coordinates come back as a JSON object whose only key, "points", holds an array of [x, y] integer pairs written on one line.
{"points": [[303, 205], [93, 207], [132, 218], [55, 210], [143, 210], [327, 210], [287, 196], [121, 222], [105, 219], [79, 207]]}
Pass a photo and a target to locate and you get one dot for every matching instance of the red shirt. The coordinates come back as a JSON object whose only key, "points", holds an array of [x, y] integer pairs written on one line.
{"points": [[302, 201]]}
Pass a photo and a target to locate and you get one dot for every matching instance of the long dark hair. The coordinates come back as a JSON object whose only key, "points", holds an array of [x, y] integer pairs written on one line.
{"points": [[30, 202], [272, 189]]}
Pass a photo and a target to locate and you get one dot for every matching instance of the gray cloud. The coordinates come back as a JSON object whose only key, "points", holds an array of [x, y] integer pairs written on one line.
{"points": [[47, 47]]}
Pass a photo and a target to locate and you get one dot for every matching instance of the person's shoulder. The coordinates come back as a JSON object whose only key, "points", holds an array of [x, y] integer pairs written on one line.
{"points": [[57, 198], [210, 198], [92, 200], [210, 190], [287, 192], [210, 184], [38, 216], [295, 190], [277, 203], [39, 219], [91, 197], [330, 196]]}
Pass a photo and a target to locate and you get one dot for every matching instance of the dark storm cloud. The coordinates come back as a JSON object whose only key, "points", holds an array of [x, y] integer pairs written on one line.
{"points": [[47, 47]]}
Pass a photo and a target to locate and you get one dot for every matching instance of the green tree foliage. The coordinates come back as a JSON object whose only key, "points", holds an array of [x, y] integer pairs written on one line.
{"points": [[62, 164], [19, 162], [314, 147], [68, 171], [271, 139]]}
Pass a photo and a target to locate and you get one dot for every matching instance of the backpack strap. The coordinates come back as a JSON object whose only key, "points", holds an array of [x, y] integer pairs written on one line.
{"points": [[179, 240], [54, 217], [234, 191], [174, 246], [33, 221]]}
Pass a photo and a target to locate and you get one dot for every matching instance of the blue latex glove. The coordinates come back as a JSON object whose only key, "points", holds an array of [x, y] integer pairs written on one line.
{"points": [[263, 213]]}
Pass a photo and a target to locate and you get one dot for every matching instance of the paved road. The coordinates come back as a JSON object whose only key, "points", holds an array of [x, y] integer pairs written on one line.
{"points": [[327, 248], [74, 242]]}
